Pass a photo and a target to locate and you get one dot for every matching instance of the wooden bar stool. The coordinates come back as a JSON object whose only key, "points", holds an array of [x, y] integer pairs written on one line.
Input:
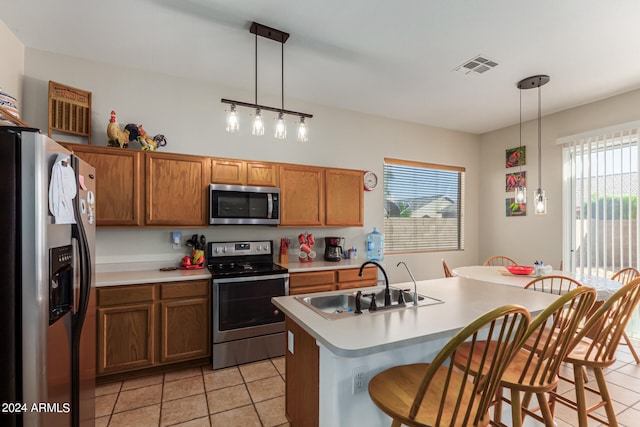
{"points": [[440, 394], [606, 326], [535, 372], [499, 260], [625, 276]]}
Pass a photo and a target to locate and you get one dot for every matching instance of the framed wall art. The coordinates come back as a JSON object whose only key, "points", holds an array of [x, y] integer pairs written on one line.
{"points": [[515, 180], [516, 156], [515, 209]]}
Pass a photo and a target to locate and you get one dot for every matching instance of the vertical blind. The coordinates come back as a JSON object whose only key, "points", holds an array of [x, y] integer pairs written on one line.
{"points": [[423, 206], [601, 188]]}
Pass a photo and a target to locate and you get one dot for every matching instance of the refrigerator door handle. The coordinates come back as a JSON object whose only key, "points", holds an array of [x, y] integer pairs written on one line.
{"points": [[77, 320]]}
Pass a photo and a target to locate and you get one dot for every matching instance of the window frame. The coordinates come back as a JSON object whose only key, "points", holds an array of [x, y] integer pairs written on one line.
{"points": [[390, 163]]}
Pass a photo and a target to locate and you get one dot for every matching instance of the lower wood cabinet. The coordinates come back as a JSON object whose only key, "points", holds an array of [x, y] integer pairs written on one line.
{"points": [[140, 326], [331, 280], [125, 338]]}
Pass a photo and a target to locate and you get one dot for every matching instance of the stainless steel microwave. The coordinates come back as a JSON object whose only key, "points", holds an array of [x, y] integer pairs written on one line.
{"points": [[240, 204]]}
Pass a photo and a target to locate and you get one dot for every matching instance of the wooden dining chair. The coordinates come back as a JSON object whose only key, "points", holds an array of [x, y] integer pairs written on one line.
{"points": [[440, 394], [625, 276], [534, 372], [553, 284], [499, 260], [605, 327], [447, 271]]}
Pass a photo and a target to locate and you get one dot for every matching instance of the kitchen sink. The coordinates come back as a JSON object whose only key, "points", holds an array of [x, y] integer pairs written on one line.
{"points": [[339, 306]]}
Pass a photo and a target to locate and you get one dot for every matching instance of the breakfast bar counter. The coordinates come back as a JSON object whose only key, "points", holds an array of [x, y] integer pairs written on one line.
{"points": [[350, 350]]}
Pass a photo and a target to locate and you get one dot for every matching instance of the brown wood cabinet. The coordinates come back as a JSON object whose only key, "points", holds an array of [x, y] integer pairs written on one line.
{"points": [[118, 183], [242, 172], [315, 197], [344, 197], [136, 188], [176, 189], [331, 280], [125, 335], [184, 316], [302, 392], [301, 195], [142, 326]]}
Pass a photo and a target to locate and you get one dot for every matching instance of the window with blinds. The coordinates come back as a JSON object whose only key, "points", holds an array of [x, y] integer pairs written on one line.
{"points": [[423, 207], [601, 200]]}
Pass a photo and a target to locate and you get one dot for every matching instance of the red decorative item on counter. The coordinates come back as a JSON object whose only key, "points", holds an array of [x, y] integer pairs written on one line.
{"points": [[195, 261]]}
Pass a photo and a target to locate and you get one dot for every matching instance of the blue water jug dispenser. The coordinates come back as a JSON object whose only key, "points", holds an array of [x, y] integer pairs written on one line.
{"points": [[375, 245]]}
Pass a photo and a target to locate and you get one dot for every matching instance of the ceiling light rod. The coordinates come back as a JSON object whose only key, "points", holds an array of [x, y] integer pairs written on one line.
{"points": [[265, 107]]}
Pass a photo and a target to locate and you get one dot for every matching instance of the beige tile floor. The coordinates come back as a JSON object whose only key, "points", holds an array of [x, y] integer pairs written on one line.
{"points": [[253, 395], [244, 396]]}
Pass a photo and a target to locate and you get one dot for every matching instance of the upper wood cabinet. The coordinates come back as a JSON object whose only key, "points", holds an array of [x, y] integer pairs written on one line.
{"points": [[301, 195], [118, 183], [313, 197], [344, 197], [176, 189], [241, 172]]}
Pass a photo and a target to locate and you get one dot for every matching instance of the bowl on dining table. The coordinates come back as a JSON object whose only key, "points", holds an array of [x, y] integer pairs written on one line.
{"points": [[520, 270]]}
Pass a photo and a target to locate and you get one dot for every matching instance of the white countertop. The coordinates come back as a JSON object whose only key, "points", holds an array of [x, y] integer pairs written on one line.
{"points": [[299, 267], [136, 277], [369, 333]]}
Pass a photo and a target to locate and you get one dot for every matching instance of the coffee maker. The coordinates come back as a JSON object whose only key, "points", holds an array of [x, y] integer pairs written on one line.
{"points": [[333, 248]]}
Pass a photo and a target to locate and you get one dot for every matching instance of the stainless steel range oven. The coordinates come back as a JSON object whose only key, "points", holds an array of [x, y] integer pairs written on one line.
{"points": [[246, 326]]}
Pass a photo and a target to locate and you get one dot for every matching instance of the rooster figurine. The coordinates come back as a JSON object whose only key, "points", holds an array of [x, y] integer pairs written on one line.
{"points": [[117, 137]]}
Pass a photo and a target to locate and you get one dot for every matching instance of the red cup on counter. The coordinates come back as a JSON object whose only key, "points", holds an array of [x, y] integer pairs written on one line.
{"points": [[301, 239], [310, 241], [305, 248]]}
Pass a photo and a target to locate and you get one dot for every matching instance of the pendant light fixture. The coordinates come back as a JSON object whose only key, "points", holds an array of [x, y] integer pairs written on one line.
{"points": [[520, 194], [258, 119], [539, 196]]}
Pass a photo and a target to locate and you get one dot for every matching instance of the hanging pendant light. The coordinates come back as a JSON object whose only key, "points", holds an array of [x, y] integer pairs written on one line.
{"points": [[520, 193], [233, 121], [302, 131], [258, 120], [540, 198], [258, 124]]}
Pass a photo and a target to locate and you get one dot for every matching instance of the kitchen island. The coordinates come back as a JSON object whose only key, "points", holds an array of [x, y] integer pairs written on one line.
{"points": [[330, 362]]}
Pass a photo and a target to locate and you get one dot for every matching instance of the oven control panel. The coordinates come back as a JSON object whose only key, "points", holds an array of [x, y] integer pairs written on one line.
{"points": [[223, 249]]}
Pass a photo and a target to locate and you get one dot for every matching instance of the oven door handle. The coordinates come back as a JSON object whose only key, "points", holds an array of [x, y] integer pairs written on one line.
{"points": [[269, 205], [250, 278]]}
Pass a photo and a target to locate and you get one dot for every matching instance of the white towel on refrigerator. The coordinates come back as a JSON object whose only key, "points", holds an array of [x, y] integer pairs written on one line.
{"points": [[62, 190]]}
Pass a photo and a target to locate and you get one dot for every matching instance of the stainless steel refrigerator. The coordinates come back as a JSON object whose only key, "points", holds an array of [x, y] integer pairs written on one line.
{"points": [[47, 298]]}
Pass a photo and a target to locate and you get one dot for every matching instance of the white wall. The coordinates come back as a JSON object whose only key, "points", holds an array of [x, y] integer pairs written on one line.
{"points": [[12, 60], [190, 115], [535, 237]]}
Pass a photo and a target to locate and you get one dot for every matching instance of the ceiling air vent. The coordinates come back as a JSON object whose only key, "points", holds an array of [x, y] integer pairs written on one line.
{"points": [[478, 65]]}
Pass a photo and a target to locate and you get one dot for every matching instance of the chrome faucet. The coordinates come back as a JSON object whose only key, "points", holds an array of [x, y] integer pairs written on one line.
{"points": [[387, 294], [415, 285]]}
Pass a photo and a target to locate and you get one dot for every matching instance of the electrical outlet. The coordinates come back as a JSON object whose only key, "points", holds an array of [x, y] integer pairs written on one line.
{"points": [[359, 379]]}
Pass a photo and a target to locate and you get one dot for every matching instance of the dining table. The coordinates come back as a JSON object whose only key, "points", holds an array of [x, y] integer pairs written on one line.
{"points": [[604, 287]]}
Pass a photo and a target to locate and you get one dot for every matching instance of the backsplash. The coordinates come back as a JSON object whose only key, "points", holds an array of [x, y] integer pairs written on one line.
{"points": [[150, 244]]}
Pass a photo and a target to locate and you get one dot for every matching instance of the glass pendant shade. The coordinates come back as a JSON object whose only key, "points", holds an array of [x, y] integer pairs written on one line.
{"points": [[258, 124], [281, 127], [233, 123], [540, 201], [520, 194], [302, 131]]}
